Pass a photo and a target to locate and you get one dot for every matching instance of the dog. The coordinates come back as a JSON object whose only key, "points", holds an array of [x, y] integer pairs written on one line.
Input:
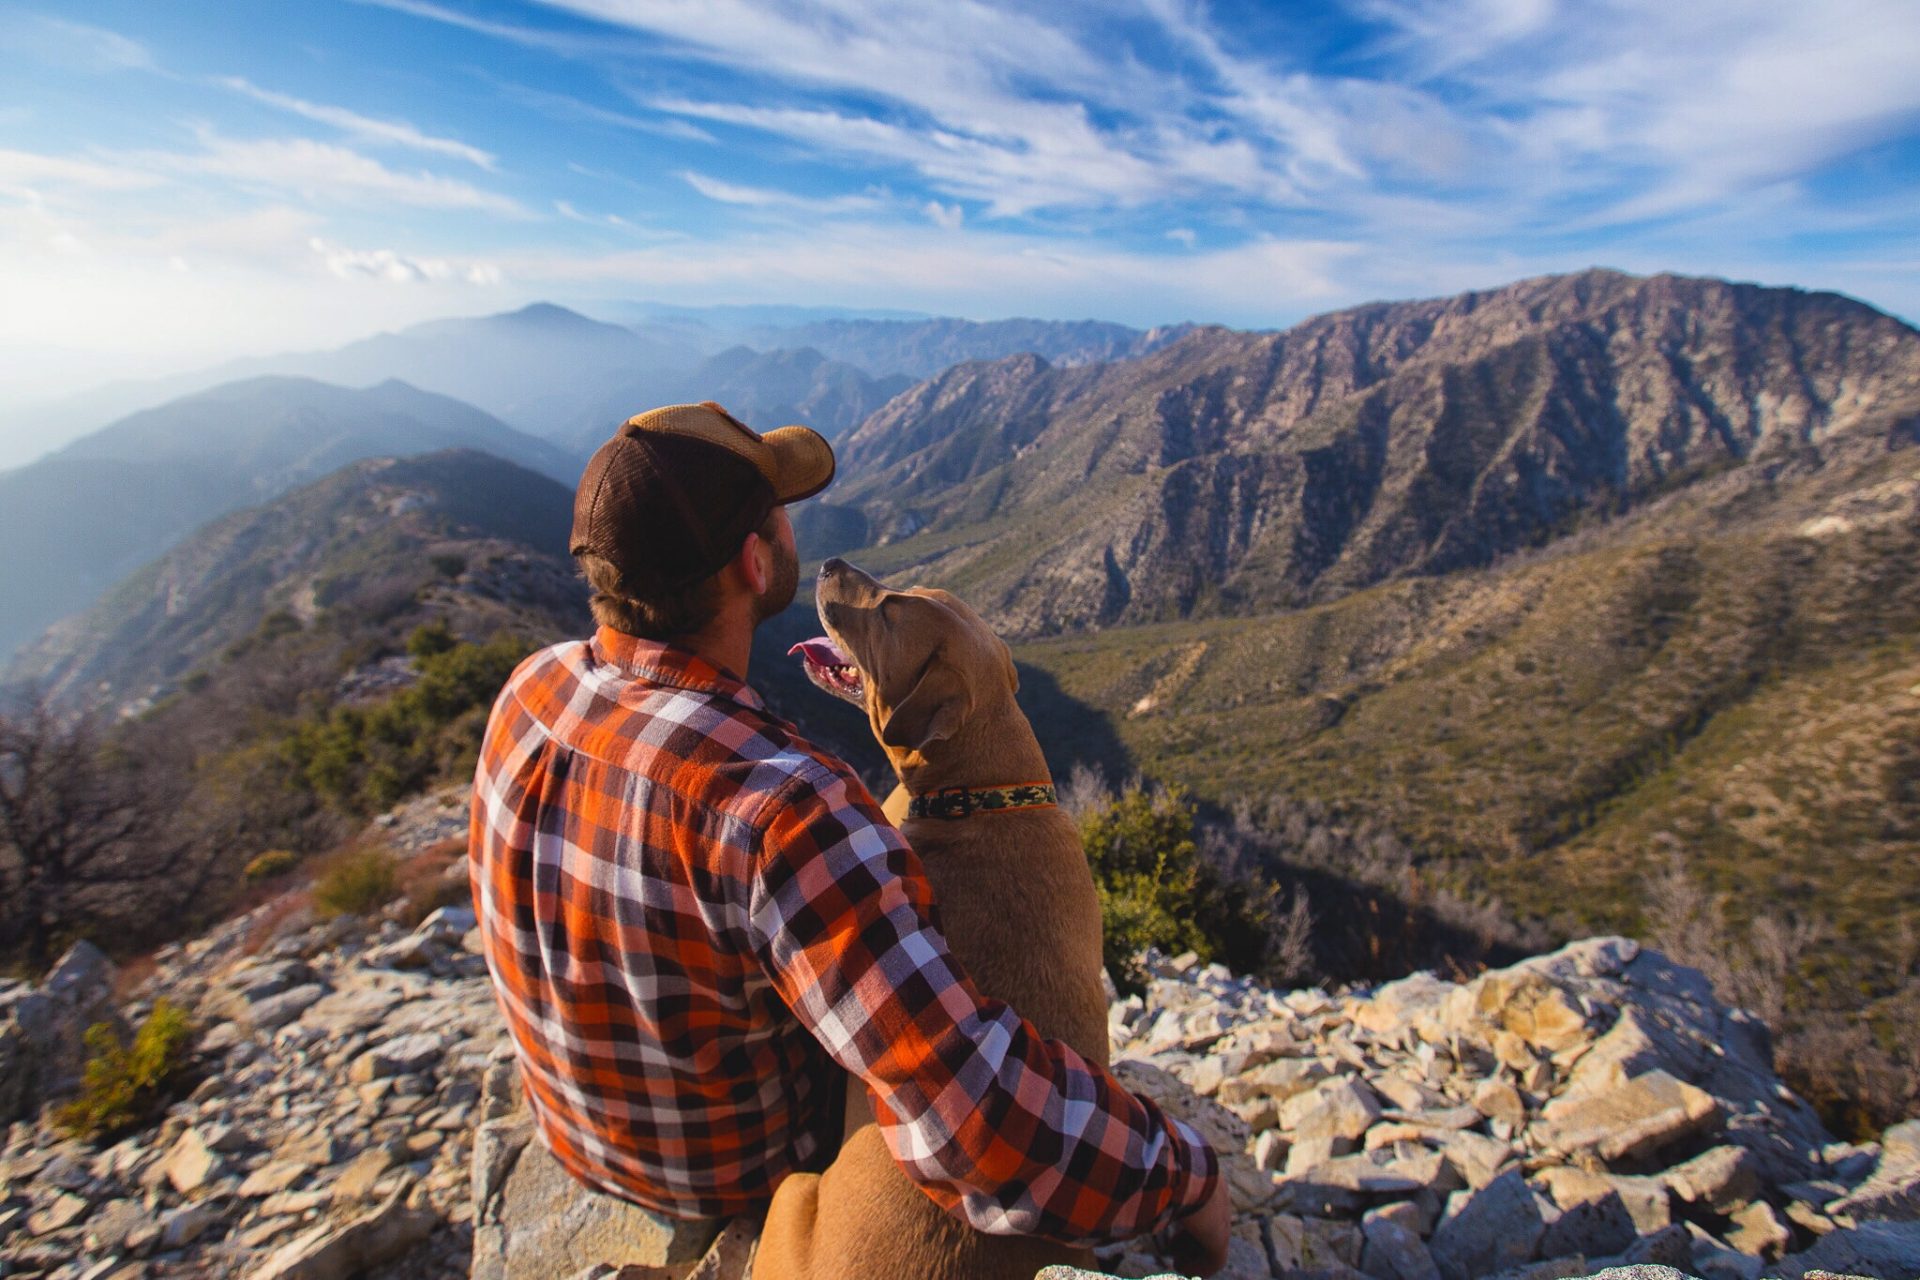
{"points": [[1017, 905]]}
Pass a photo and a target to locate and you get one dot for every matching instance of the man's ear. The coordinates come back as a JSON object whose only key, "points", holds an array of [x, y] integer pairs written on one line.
{"points": [[935, 709], [757, 574]]}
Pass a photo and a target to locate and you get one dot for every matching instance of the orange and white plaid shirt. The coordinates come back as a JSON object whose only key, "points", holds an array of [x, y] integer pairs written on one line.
{"points": [[688, 909]]}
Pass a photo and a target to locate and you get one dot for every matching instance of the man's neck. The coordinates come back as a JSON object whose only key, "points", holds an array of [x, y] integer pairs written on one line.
{"points": [[726, 642]]}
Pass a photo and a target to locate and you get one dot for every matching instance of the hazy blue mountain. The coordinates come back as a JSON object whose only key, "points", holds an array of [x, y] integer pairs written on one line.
{"points": [[77, 521], [922, 348], [764, 389]]}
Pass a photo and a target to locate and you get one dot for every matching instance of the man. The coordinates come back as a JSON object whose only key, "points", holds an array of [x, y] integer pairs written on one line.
{"points": [[691, 914]]}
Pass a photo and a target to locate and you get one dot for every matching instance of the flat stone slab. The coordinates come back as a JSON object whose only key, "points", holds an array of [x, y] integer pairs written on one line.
{"points": [[1629, 1121]]}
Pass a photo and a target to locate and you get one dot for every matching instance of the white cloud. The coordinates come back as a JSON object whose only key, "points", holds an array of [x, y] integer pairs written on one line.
{"points": [[325, 174], [28, 171], [946, 216], [395, 133], [766, 198], [77, 45], [394, 267]]}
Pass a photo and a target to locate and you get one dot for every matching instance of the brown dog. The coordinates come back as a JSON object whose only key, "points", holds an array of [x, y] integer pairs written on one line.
{"points": [[1016, 901]]}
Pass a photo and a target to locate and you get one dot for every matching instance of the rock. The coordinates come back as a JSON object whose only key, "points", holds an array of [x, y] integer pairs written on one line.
{"points": [[184, 1225], [1498, 1100], [65, 1210], [1477, 1159], [1394, 1250], [1890, 1193], [1269, 1150], [402, 1055], [43, 1029], [276, 1011], [1647, 1200], [275, 1176], [357, 1180], [109, 1226], [1647, 1113], [1341, 1108], [1670, 1246], [1719, 1179], [1593, 1219], [1250, 1188], [532, 1221], [1900, 1145], [1279, 1080], [191, 1164], [1492, 1229], [1313, 1244], [1885, 1250], [333, 1251], [1758, 1230]]}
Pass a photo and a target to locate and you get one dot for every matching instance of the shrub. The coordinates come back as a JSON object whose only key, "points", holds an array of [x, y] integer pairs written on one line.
{"points": [[270, 865], [358, 882], [125, 1084], [1145, 867], [365, 759]]}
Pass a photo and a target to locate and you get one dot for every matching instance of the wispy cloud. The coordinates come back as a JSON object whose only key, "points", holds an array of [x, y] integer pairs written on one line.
{"points": [[60, 42], [767, 198], [324, 173], [393, 133]]}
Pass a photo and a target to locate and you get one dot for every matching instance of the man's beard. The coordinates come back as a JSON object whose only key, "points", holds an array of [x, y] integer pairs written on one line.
{"points": [[786, 581]]}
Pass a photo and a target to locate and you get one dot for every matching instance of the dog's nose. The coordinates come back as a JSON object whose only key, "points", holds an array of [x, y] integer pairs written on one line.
{"points": [[831, 565]]}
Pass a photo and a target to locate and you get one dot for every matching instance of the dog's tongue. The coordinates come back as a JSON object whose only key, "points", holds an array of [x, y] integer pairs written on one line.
{"points": [[821, 651]]}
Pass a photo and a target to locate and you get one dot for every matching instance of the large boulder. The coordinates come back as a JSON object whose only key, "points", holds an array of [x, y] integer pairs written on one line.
{"points": [[533, 1221]]}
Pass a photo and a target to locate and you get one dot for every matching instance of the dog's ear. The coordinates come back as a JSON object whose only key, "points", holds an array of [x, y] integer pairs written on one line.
{"points": [[1013, 672], [934, 709]]}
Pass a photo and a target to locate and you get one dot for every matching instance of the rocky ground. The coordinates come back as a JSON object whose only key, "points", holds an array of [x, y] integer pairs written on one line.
{"points": [[1588, 1109]]}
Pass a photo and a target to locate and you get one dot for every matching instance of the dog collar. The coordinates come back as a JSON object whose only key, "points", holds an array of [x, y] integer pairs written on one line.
{"points": [[960, 802]]}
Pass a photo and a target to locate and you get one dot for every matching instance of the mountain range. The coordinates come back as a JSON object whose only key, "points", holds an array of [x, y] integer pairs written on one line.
{"points": [[76, 522], [1241, 473], [1556, 583]]}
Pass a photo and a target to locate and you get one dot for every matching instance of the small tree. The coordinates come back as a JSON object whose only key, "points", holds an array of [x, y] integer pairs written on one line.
{"points": [[82, 831]]}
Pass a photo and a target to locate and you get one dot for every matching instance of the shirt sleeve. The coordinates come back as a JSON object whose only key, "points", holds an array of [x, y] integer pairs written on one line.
{"points": [[1017, 1134]]}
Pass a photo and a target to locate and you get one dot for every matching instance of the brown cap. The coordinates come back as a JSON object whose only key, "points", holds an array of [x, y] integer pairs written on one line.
{"points": [[671, 497]]}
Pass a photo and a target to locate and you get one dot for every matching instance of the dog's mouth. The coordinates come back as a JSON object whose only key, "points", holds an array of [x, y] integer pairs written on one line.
{"points": [[828, 666]]}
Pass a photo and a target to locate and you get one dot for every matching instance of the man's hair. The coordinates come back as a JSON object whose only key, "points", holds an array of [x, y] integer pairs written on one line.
{"points": [[659, 614]]}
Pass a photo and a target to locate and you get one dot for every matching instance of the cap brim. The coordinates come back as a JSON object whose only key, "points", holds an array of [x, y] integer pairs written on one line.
{"points": [[803, 462]]}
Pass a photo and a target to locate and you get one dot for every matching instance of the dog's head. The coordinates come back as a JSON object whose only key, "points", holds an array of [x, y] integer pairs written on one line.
{"points": [[920, 662]]}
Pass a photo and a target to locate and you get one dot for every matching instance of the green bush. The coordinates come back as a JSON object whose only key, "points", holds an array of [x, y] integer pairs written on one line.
{"points": [[365, 759], [1158, 890], [358, 883], [1147, 870], [269, 865], [125, 1084]]}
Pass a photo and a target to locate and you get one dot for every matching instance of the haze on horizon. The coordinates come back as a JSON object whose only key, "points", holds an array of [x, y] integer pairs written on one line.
{"points": [[186, 183]]}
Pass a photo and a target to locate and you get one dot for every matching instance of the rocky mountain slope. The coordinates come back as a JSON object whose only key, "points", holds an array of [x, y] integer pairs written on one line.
{"points": [[79, 520], [1585, 1108], [1236, 473], [377, 546]]}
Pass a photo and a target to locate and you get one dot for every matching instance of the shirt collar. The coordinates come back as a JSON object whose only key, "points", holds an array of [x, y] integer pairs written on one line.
{"points": [[664, 663]]}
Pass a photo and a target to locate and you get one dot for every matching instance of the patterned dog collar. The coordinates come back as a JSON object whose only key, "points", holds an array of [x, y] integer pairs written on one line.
{"points": [[961, 802]]}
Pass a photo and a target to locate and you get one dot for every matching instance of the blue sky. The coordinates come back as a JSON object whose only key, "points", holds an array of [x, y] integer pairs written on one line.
{"points": [[186, 181]]}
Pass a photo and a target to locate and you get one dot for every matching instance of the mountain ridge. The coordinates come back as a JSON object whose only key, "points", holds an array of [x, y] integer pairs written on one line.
{"points": [[79, 520], [1238, 471]]}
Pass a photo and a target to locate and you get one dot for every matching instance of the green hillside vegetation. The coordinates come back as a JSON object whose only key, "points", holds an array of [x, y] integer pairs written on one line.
{"points": [[1556, 731]]}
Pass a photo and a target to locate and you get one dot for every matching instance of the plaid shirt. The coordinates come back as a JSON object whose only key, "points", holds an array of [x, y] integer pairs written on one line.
{"points": [[687, 909]]}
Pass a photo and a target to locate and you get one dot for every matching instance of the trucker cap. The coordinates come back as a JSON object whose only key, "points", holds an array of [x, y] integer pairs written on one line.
{"points": [[669, 499]]}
